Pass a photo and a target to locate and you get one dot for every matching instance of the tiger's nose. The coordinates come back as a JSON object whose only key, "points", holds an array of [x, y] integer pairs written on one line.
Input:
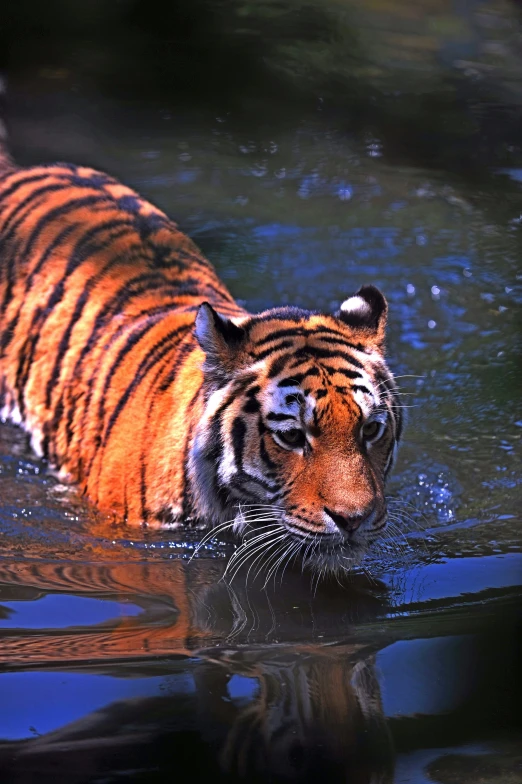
{"points": [[351, 523]]}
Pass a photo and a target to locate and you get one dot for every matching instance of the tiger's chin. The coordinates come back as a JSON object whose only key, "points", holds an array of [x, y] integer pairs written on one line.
{"points": [[321, 554]]}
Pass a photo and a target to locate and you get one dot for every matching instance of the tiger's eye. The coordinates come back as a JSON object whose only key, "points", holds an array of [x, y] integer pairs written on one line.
{"points": [[372, 430], [293, 437]]}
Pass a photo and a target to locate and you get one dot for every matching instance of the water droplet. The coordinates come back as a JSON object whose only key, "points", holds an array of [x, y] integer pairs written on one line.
{"points": [[410, 289], [345, 193], [435, 292], [259, 170], [467, 272], [374, 148], [432, 324]]}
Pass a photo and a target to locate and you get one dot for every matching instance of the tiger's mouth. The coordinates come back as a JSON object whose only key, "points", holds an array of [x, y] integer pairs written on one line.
{"points": [[272, 543]]}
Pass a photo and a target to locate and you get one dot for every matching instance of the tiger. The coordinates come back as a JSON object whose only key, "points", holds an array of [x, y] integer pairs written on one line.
{"points": [[138, 377]]}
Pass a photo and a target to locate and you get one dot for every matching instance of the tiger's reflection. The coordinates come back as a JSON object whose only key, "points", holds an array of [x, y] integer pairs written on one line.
{"points": [[184, 607], [309, 710], [309, 715], [318, 714]]}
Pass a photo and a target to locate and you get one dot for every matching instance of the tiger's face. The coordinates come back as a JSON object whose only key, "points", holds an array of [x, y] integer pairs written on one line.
{"points": [[300, 429]]}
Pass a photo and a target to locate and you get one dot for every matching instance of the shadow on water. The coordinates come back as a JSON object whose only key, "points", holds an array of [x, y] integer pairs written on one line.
{"points": [[308, 148]]}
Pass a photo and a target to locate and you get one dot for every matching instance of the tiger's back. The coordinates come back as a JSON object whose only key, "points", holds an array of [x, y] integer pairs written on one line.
{"points": [[98, 296]]}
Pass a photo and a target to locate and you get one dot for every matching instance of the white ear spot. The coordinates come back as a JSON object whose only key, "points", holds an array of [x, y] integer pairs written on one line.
{"points": [[356, 305]]}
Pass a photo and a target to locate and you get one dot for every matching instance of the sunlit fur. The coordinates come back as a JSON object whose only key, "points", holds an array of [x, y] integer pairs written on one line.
{"points": [[164, 418]]}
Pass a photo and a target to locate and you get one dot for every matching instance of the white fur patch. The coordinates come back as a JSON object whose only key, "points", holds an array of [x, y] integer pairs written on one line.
{"points": [[275, 401], [36, 441], [11, 413], [310, 406], [356, 305]]}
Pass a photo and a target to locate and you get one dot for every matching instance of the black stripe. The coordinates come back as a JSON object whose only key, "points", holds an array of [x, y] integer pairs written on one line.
{"points": [[78, 258], [214, 445], [243, 476], [60, 212], [132, 339], [42, 313], [281, 333], [279, 365], [14, 220], [263, 453], [280, 417], [342, 341], [27, 180], [236, 490], [272, 350], [214, 449], [9, 331], [187, 504], [252, 406], [352, 374], [299, 332], [143, 490], [324, 353], [154, 355], [99, 418], [238, 441], [25, 357], [25, 252], [12, 254], [162, 310], [297, 378], [183, 352], [294, 381], [134, 287], [361, 388]]}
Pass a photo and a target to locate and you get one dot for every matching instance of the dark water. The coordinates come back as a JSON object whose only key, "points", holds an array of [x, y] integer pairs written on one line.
{"points": [[308, 148]]}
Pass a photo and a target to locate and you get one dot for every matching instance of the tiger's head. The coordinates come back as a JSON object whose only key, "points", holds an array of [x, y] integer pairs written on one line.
{"points": [[300, 428]]}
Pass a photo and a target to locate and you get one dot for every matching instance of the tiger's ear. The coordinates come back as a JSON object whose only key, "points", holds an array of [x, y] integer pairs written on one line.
{"points": [[366, 310], [219, 338]]}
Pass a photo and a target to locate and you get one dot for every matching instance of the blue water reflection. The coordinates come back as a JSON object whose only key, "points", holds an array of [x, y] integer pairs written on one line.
{"points": [[41, 702], [59, 612]]}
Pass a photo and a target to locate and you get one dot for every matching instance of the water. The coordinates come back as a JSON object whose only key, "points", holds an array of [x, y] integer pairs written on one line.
{"points": [[308, 149]]}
